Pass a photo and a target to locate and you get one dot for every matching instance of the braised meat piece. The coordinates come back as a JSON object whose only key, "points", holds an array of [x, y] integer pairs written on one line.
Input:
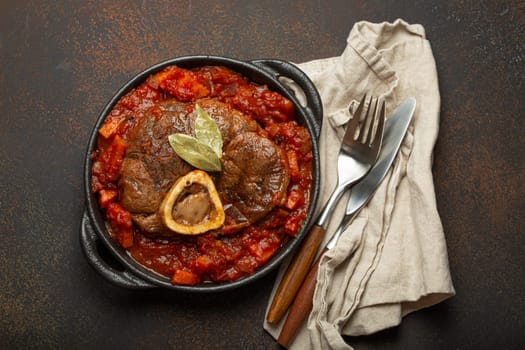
{"points": [[254, 179], [230, 121], [150, 166], [138, 191]]}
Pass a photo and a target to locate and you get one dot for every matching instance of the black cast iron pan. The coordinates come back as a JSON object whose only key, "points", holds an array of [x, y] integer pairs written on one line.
{"points": [[113, 262]]}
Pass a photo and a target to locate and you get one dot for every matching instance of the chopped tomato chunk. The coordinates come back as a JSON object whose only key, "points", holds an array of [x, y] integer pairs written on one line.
{"points": [[184, 84], [121, 224], [184, 277], [265, 248], [292, 225], [106, 167]]}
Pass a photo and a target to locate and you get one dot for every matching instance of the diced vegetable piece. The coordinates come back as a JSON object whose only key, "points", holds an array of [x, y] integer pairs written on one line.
{"points": [[264, 249], [121, 224], [125, 237], [272, 129], [292, 226], [184, 278], [294, 200], [203, 263], [105, 197], [184, 84], [281, 108], [106, 168], [293, 164], [110, 127]]}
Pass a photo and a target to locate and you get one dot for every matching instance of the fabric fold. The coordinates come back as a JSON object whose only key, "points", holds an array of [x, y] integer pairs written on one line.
{"points": [[392, 259]]}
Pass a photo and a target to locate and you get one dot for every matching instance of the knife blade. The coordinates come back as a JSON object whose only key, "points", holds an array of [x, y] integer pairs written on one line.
{"points": [[395, 130]]}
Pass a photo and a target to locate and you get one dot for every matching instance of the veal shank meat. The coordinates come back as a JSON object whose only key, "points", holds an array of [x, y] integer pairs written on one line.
{"points": [[253, 180]]}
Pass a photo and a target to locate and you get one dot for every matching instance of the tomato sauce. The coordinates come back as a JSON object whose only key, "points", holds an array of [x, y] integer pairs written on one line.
{"points": [[209, 257]]}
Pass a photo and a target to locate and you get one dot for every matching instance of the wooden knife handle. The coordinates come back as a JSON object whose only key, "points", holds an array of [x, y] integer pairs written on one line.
{"points": [[295, 275], [301, 307]]}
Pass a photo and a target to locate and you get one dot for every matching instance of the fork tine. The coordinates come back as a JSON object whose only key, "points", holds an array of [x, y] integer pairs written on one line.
{"points": [[354, 122], [368, 123], [378, 137]]}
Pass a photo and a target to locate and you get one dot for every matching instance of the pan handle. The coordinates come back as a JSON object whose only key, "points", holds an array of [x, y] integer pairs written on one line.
{"points": [[314, 105], [90, 246]]}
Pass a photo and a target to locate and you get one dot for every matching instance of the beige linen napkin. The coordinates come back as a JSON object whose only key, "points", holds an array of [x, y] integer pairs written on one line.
{"points": [[392, 260]]}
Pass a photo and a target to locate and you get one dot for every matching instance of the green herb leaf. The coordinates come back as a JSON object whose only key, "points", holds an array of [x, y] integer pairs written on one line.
{"points": [[198, 154], [207, 131]]}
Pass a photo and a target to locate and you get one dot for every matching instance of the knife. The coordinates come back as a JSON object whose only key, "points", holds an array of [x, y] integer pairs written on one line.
{"points": [[396, 127], [395, 130]]}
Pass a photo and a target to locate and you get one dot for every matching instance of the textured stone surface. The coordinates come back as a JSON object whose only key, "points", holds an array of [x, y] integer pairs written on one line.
{"points": [[61, 61]]}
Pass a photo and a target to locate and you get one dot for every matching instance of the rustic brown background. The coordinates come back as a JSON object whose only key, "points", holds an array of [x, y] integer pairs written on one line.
{"points": [[60, 62]]}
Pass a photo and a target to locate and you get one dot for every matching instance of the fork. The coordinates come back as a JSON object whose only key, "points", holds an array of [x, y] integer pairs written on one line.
{"points": [[359, 151]]}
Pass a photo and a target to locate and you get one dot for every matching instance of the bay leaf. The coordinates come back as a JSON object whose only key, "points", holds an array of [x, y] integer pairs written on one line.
{"points": [[193, 151], [207, 131]]}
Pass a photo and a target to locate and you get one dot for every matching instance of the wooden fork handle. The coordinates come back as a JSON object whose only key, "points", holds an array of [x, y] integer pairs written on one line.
{"points": [[301, 307], [295, 274]]}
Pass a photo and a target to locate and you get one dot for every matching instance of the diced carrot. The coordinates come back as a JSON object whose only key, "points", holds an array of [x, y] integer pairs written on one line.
{"points": [[263, 250], [293, 164], [112, 157], [294, 200], [203, 263], [272, 129], [125, 237], [292, 226], [279, 107], [156, 80], [110, 127], [185, 278], [184, 84], [247, 264], [106, 196]]}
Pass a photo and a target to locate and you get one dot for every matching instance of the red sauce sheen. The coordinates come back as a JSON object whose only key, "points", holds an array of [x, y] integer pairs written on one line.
{"points": [[208, 257]]}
